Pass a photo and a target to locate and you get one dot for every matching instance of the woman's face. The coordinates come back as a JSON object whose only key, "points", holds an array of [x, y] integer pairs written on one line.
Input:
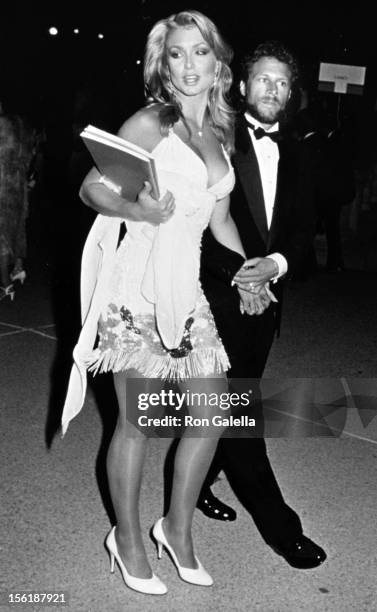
{"points": [[191, 61]]}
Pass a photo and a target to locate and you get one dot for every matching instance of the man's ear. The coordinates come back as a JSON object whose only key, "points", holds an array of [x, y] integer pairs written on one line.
{"points": [[243, 88]]}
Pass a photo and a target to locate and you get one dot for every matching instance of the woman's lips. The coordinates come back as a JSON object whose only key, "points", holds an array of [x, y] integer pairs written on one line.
{"points": [[191, 80]]}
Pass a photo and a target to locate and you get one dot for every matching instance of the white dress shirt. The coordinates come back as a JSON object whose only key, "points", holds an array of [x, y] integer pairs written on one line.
{"points": [[267, 153]]}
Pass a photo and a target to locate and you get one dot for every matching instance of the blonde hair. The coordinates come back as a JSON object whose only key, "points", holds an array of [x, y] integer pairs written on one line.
{"points": [[158, 88]]}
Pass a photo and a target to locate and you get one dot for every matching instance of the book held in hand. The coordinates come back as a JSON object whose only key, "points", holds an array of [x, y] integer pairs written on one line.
{"points": [[121, 162]]}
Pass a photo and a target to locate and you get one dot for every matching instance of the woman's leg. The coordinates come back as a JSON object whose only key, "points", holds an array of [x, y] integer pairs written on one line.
{"points": [[18, 265], [4, 271], [192, 461], [125, 461]]}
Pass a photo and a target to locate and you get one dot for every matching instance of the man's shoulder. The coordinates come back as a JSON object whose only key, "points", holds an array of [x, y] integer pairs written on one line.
{"points": [[288, 144], [240, 121]]}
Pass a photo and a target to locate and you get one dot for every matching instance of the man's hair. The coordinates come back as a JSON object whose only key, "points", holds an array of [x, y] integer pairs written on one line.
{"points": [[270, 48]]}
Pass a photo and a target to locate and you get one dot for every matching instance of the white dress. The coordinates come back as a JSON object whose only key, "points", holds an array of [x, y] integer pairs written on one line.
{"points": [[157, 319]]}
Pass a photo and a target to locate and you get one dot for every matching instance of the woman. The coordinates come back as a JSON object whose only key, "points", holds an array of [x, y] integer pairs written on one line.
{"points": [[16, 150], [153, 319]]}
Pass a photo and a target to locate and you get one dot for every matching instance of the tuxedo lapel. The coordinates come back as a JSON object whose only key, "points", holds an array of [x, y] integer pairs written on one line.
{"points": [[281, 196], [246, 163]]}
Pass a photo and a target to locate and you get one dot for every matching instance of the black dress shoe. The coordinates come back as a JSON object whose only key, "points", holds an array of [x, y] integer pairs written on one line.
{"points": [[214, 508], [302, 553]]}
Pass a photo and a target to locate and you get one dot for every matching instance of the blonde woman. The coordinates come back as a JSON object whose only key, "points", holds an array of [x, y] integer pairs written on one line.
{"points": [[149, 310]]}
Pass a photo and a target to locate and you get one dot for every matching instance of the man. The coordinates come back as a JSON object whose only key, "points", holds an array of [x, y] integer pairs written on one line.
{"points": [[276, 226]]}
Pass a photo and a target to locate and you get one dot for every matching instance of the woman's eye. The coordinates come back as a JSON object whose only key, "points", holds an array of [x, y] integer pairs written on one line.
{"points": [[174, 54], [202, 51]]}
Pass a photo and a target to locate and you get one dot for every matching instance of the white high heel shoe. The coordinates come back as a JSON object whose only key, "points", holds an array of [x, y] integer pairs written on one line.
{"points": [[7, 292], [195, 576], [150, 586]]}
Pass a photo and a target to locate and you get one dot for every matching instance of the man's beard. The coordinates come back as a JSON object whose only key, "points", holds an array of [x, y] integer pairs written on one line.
{"points": [[267, 118]]}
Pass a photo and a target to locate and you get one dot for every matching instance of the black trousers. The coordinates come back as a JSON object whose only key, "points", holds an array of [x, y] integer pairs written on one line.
{"points": [[248, 340]]}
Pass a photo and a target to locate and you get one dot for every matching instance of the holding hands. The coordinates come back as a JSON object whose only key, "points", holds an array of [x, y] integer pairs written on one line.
{"points": [[255, 304], [255, 273], [252, 282]]}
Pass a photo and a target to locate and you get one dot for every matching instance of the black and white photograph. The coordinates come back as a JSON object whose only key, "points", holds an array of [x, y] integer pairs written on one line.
{"points": [[188, 307]]}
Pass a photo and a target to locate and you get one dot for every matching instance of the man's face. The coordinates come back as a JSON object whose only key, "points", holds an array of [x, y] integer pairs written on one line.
{"points": [[267, 90]]}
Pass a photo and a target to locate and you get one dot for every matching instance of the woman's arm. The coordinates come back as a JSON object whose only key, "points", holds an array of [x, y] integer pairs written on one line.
{"points": [[142, 129], [225, 231], [106, 202], [223, 227]]}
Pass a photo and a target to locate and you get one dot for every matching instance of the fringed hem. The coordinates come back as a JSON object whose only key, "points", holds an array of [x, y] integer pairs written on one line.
{"points": [[197, 363]]}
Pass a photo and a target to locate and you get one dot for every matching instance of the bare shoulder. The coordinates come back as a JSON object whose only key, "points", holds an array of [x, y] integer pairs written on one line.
{"points": [[143, 128]]}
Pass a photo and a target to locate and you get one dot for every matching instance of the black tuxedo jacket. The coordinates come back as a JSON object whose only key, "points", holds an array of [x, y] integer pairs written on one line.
{"points": [[292, 226]]}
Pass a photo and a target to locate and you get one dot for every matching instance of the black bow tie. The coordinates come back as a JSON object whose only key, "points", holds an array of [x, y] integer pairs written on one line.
{"points": [[260, 132]]}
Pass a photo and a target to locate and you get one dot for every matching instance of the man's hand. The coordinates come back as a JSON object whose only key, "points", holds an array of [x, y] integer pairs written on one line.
{"points": [[154, 211], [255, 273]]}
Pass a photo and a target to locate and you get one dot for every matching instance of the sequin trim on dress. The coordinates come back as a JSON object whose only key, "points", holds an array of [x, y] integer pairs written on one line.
{"points": [[128, 342]]}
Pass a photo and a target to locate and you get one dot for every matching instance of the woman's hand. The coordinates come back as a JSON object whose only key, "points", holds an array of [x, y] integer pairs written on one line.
{"points": [[266, 296], [154, 211], [252, 304]]}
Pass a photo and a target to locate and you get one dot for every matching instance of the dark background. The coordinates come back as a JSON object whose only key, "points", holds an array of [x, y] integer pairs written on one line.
{"points": [[53, 78], [62, 83]]}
